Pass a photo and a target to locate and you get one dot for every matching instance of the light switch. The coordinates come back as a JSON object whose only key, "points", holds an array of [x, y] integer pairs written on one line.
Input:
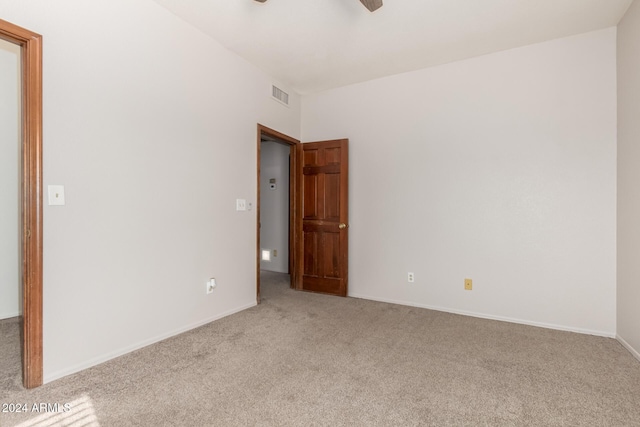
{"points": [[241, 205], [56, 195]]}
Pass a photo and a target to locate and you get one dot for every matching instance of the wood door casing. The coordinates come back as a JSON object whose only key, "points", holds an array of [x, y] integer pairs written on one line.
{"points": [[32, 228], [324, 208]]}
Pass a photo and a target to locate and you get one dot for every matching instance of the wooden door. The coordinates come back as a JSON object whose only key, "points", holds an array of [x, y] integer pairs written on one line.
{"points": [[325, 211]]}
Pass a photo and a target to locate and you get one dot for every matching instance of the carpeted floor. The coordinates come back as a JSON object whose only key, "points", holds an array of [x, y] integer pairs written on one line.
{"points": [[302, 359], [10, 369]]}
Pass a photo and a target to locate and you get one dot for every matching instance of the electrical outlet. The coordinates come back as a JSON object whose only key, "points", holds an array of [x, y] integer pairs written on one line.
{"points": [[411, 278], [468, 284]]}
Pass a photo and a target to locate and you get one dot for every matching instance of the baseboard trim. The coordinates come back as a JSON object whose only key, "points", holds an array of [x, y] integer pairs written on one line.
{"points": [[112, 355], [628, 346], [9, 316], [490, 317]]}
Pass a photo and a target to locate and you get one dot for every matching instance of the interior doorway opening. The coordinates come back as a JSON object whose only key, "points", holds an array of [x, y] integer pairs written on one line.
{"points": [[10, 194], [274, 206], [277, 205], [31, 198]]}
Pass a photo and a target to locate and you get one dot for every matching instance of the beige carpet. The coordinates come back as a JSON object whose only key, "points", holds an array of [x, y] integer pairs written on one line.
{"points": [[303, 359], [10, 369]]}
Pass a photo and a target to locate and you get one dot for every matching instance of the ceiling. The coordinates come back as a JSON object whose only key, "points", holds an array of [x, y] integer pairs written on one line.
{"points": [[313, 45]]}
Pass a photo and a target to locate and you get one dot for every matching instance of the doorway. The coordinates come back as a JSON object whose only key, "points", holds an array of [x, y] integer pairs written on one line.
{"points": [[10, 237], [318, 213], [10, 170], [30, 229], [276, 204]]}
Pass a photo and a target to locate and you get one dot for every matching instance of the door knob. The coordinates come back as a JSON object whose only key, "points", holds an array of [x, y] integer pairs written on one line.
{"points": [[342, 226]]}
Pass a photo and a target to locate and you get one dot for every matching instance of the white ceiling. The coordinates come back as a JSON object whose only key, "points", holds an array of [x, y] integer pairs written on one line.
{"points": [[312, 45]]}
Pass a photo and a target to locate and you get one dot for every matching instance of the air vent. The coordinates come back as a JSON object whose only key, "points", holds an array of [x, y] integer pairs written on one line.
{"points": [[280, 95]]}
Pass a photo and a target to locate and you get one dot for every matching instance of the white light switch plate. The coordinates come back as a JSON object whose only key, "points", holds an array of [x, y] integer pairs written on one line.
{"points": [[241, 205], [56, 195]]}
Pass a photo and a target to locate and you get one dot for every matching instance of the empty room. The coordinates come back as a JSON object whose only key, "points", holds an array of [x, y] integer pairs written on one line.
{"points": [[303, 212]]}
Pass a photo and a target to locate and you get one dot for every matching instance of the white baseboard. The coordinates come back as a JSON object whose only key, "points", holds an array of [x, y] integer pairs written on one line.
{"points": [[628, 346], [491, 317], [112, 355], [9, 315]]}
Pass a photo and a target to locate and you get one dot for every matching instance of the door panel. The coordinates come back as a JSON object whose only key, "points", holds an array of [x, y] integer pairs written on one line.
{"points": [[331, 244], [310, 250], [325, 216], [310, 190], [332, 197]]}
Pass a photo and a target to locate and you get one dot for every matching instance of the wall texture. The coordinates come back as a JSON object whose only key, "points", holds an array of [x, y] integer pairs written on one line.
{"points": [[10, 142], [274, 205], [500, 168], [629, 179], [151, 127]]}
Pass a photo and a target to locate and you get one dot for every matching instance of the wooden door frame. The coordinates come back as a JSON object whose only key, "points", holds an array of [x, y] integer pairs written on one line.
{"points": [[295, 206], [31, 52]]}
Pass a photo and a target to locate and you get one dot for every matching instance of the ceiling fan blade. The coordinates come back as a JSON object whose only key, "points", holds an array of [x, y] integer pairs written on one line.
{"points": [[372, 5]]}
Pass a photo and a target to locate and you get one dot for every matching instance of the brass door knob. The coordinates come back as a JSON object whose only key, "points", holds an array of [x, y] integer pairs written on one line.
{"points": [[342, 226]]}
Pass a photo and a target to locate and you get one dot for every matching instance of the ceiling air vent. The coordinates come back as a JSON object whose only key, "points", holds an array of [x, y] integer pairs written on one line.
{"points": [[279, 95]]}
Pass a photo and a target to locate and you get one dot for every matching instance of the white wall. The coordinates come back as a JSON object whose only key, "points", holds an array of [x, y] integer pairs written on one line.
{"points": [[151, 127], [500, 168], [274, 205], [629, 179], [10, 142]]}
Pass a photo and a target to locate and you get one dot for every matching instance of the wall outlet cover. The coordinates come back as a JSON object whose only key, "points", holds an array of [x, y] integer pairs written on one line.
{"points": [[56, 195]]}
